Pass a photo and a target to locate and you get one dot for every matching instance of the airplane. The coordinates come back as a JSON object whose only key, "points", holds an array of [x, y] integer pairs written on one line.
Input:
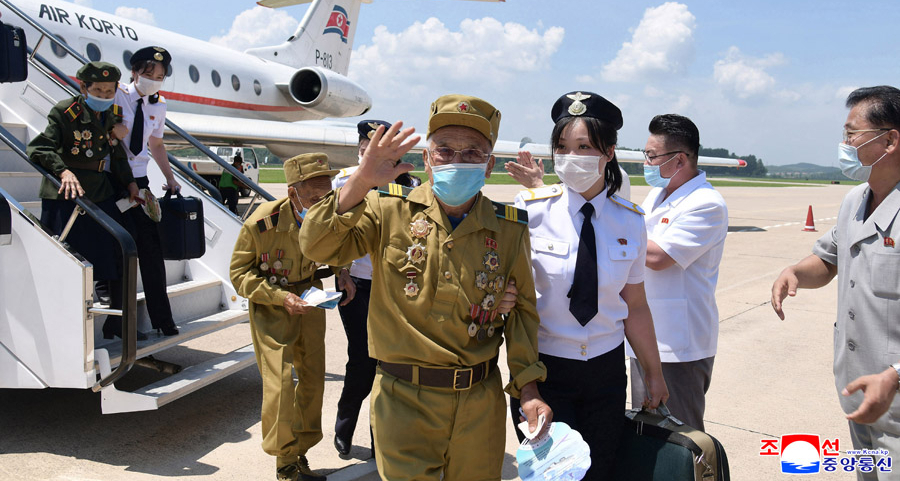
{"points": [[256, 97]]}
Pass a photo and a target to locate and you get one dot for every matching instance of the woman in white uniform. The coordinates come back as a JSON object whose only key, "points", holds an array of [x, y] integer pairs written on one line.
{"points": [[588, 253]]}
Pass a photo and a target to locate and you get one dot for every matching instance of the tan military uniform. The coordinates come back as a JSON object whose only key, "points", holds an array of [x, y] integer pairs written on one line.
{"points": [[433, 286], [291, 424]]}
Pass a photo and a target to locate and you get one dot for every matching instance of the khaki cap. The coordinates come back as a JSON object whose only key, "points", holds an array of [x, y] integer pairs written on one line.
{"points": [[466, 111], [98, 72], [306, 166]]}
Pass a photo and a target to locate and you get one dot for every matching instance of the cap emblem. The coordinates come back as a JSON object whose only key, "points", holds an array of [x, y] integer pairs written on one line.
{"points": [[374, 127], [158, 57], [106, 73], [463, 107], [577, 108]]}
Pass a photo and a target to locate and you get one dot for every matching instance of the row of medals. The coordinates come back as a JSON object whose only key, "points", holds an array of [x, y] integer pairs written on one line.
{"points": [[481, 314], [85, 137], [275, 268]]}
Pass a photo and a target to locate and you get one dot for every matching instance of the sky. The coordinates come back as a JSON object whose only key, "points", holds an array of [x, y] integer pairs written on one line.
{"points": [[767, 78]]}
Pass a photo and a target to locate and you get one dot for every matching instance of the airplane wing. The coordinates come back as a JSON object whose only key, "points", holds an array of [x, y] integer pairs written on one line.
{"points": [[338, 139]]}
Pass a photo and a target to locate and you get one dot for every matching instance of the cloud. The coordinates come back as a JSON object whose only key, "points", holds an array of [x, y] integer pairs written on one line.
{"points": [[663, 43], [257, 27], [137, 14], [484, 50], [746, 76], [585, 79], [843, 92]]}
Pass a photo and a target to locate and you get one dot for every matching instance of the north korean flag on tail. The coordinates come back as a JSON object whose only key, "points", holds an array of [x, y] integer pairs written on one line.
{"points": [[338, 23]]}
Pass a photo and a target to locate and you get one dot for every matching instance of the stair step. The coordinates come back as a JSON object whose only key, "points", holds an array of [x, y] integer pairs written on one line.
{"points": [[178, 385], [186, 331], [183, 288], [22, 186]]}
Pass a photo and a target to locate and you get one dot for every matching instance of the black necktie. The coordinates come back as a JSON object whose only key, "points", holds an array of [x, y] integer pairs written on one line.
{"points": [[583, 294], [137, 129]]}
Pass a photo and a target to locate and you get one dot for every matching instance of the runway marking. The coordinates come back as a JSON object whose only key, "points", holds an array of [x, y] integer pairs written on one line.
{"points": [[788, 224]]}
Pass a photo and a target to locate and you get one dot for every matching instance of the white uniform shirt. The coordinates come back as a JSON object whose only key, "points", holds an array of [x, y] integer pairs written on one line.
{"points": [[690, 226], [555, 225], [154, 124], [361, 268]]}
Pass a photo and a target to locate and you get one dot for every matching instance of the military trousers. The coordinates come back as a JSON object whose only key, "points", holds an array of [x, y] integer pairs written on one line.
{"points": [[429, 434], [360, 368], [291, 413]]}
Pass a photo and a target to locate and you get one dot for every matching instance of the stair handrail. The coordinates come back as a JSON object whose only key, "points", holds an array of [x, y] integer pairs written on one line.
{"points": [[129, 264], [5, 220], [171, 125]]}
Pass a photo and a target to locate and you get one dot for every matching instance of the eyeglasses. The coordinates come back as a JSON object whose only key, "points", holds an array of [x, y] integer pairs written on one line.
{"points": [[469, 156], [650, 158], [848, 132]]}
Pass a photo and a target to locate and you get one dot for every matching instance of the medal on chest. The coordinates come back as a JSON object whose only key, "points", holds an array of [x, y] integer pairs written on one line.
{"points": [[411, 289]]}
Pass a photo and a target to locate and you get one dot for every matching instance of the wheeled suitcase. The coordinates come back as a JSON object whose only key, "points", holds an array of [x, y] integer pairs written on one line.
{"points": [[13, 54], [181, 227], [658, 446]]}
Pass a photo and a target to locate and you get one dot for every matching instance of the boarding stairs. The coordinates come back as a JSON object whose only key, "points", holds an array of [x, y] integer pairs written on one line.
{"points": [[50, 320]]}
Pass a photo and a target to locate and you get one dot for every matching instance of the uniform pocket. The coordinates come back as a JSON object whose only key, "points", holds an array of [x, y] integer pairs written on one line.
{"points": [[549, 258], [671, 324], [400, 260], [885, 275]]}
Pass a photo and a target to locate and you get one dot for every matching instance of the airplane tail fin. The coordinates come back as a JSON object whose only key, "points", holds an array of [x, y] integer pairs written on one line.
{"points": [[324, 37]]}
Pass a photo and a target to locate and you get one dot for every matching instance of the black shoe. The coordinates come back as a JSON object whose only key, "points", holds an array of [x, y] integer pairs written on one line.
{"points": [[287, 473], [168, 330], [307, 474], [343, 447], [101, 288], [114, 329]]}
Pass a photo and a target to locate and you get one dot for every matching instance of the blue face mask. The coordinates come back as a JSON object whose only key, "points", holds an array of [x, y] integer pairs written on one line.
{"points": [[848, 156], [654, 178], [454, 184], [97, 104]]}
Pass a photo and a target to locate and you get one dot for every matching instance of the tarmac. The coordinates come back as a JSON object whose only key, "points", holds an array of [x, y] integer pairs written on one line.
{"points": [[771, 378]]}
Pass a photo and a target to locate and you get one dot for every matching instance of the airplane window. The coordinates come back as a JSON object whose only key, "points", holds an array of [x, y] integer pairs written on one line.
{"points": [[126, 57], [93, 52], [216, 79], [235, 83], [58, 49], [194, 73], [257, 87], [169, 71]]}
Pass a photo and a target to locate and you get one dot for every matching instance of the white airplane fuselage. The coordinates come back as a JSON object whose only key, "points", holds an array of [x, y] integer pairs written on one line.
{"points": [[246, 87]]}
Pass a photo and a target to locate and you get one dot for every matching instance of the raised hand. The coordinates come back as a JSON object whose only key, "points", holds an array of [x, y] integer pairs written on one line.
{"points": [[526, 170], [379, 164]]}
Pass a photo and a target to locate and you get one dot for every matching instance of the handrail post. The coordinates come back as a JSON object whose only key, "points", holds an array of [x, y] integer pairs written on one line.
{"points": [[65, 232]]}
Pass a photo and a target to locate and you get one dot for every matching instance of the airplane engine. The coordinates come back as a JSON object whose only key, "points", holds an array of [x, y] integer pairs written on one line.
{"points": [[328, 93]]}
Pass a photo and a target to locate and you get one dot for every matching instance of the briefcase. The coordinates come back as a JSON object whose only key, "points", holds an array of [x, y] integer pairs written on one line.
{"points": [[181, 227], [658, 446], [13, 54]]}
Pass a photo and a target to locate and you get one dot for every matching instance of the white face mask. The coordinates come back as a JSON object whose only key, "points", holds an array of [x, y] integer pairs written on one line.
{"points": [[848, 156], [147, 86], [579, 172]]}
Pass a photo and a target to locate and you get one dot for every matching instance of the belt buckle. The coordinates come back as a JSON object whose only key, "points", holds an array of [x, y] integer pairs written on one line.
{"points": [[101, 164], [456, 378]]}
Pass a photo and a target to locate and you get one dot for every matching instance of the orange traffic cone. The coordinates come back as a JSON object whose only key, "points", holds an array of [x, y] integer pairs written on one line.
{"points": [[810, 224]]}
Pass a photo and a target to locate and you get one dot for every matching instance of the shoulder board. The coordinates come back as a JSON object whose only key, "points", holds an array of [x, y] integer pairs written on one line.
{"points": [[267, 222], [346, 172], [394, 190], [116, 110], [74, 111], [544, 192], [510, 213], [627, 204]]}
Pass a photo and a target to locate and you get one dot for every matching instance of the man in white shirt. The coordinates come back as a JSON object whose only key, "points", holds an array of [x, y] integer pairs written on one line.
{"points": [[687, 222]]}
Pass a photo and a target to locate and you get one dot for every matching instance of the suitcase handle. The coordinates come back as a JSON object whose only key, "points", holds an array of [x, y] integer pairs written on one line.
{"points": [[169, 194], [662, 410]]}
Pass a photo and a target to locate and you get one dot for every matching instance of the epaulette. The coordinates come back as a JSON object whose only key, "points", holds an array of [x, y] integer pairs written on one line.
{"points": [[626, 204], [74, 111], [117, 111], [510, 213], [153, 98], [394, 190], [544, 192], [346, 172], [267, 222]]}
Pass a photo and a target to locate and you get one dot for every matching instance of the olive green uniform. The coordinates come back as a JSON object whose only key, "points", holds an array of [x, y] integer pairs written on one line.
{"points": [[291, 424], [74, 138], [430, 284]]}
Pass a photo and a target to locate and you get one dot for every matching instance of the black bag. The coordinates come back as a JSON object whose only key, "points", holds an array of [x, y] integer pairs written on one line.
{"points": [[13, 54], [181, 227], [661, 447]]}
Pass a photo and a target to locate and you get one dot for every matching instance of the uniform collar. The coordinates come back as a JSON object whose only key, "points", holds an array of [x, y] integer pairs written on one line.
{"points": [[133, 94], [683, 191], [885, 213], [576, 201], [286, 220], [480, 216]]}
